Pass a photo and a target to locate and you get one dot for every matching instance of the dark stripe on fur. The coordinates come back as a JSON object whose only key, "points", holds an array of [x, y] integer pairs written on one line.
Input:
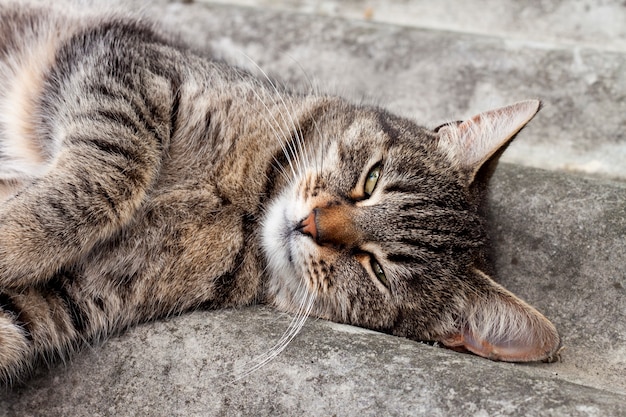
{"points": [[274, 168], [402, 258], [131, 165], [398, 187], [114, 148], [119, 117], [59, 207], [224, 285], [390, 131], [59, 287], [142, 108], [439, 243], [174, 112], [78, 207], [227, 283]]}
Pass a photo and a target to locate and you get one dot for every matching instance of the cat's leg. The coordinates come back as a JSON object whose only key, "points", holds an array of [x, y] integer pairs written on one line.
{"points": [[49, 323], [93, 191], [108, 159]]}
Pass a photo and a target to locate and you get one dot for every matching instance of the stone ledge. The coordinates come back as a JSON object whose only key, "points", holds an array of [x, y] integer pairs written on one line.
{"points": [[184, 367]]}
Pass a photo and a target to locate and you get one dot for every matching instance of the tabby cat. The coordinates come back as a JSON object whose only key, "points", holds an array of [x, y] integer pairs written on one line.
{"points": [[139, 179]]}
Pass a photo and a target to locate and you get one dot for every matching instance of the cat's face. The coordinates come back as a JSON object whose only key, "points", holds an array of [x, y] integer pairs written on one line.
{"points": [[378, 228]]}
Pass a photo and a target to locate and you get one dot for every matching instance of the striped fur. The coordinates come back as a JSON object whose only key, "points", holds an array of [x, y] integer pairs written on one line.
{"points": [[139, 180]]}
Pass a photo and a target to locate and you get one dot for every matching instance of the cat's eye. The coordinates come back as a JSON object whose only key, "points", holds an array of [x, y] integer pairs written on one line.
{"points": [[371, 180], [378, 271]]}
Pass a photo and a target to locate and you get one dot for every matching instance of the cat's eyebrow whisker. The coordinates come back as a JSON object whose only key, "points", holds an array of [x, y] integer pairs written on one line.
{"points": [[319, 154], [295, 139], [315, 90], [282, 170], [299, 135], [280, 137], [306, 151], [302, 145], [290, 149], [282, 140]]}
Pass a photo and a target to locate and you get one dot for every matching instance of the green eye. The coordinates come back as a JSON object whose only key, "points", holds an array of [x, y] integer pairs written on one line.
{"points": [[371, 180], [378, 271]]}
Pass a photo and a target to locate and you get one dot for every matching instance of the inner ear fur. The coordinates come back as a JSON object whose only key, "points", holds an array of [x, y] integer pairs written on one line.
{"points": [[500, 326], [478, 142]]}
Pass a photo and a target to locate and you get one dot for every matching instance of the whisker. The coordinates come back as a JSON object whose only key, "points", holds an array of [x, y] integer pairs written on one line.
{"points": [[280, 96], [315, 90], [292, 331], [273, 126], [288, 132]]}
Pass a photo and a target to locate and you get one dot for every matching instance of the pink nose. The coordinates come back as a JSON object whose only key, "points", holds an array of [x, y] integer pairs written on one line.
{"points": [[307, 226]]}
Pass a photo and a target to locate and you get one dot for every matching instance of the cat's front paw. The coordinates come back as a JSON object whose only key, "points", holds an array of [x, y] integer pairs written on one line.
{"points": [[14, 347]]}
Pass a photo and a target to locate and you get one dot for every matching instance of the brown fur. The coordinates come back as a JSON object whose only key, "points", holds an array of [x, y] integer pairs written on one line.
{"points": [[157, 181]]}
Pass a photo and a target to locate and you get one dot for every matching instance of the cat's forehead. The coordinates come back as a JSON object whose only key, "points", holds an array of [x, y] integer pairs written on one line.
{"points": [[373, 125], [361, 137], [365, 128]]}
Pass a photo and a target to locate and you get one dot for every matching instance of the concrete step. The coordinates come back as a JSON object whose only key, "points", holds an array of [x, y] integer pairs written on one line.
{"points": [[560, 243], [595, 24]]}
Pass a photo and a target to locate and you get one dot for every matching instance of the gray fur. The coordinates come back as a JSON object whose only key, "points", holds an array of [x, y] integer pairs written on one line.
{"points": [[139, 179]]}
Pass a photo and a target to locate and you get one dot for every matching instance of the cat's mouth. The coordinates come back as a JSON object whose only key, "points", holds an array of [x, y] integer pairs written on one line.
{"points": [[287, 251], [279, 240], [293, 233], [286, 235]]}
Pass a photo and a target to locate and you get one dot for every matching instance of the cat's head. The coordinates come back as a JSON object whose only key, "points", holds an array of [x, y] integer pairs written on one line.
{"points": [[382, 228]]}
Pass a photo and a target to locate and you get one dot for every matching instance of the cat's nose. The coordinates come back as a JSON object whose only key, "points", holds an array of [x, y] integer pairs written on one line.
{"points": [[332, 225], [307, 226]]}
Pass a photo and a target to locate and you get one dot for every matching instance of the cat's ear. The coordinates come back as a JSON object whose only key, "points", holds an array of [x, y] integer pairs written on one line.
{"points": [[473, 142], [500, 326]]}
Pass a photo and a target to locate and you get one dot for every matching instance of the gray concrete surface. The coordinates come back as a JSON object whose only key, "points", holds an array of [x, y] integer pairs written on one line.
{"points": [[561, 243], [597, 24], [559, 237]]}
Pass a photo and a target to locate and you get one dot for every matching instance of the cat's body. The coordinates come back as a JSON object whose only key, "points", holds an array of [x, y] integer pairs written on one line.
{"points": [[139, 179]]}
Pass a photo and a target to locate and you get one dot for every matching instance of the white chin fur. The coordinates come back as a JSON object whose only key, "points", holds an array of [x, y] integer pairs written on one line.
{"points": [[279, 244]]}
